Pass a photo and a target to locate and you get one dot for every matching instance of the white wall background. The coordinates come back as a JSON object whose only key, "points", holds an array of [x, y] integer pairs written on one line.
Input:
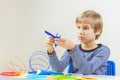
{"points": [[22, 25]]}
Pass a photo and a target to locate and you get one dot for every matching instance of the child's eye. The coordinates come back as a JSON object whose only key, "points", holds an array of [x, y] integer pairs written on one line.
{"points": [[86, 28], [78, 27]]}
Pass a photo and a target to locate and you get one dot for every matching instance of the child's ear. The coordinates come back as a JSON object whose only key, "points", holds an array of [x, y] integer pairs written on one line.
{"points": [[97, 32]]}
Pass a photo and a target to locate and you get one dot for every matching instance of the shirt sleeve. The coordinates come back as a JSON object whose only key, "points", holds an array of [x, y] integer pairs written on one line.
{"points": [[59, 65]]}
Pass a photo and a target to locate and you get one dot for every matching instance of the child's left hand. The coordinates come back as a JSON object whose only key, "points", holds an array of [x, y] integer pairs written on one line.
{"points": [[65, 43]]}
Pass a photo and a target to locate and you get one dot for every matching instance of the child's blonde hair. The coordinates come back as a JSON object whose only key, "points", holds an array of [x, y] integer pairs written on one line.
{"points": [[93, 18]]}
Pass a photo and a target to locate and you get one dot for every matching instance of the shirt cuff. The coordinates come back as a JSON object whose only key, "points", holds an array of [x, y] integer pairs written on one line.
{"points": [[53, 54], [72, 51]]}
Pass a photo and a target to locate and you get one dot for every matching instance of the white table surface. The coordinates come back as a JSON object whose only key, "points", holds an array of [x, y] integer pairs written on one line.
{"points": [[104, 77], [100, 77]]}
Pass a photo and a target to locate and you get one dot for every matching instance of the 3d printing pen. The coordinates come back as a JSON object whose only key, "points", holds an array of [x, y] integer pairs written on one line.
{"points": [[47, 72], [54, 36]]}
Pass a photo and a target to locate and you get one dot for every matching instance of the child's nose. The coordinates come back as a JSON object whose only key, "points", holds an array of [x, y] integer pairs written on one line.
{"points": [[81, 31]]}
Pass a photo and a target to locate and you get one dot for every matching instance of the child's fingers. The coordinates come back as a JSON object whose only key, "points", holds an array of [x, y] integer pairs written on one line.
{"points": [[50, 39], [60, 40]]}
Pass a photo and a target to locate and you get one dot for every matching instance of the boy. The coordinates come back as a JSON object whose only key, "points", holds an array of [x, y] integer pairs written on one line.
{"points": [[88, 57]]}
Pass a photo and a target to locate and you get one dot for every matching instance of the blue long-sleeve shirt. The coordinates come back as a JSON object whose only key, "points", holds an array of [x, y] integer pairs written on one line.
{"points": [[84, 61]]}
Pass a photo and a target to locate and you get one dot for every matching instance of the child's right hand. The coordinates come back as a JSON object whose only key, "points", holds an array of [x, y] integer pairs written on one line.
{"points": [[49, 43], [65, 43]]}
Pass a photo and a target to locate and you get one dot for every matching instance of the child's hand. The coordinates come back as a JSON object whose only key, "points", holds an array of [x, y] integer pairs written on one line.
{"points": [[65, 43], [49, 43]]}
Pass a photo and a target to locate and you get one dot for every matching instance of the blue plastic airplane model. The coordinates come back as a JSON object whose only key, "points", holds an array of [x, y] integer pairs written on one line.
{"points": [[54, 36]]}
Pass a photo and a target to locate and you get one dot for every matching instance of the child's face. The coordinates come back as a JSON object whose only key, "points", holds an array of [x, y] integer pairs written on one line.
{"points": [[85, 32]]}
